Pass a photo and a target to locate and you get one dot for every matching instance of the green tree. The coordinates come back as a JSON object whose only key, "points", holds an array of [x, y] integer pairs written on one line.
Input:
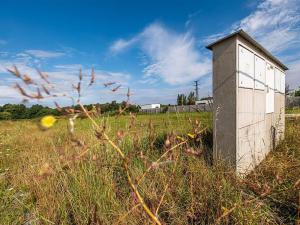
{"points": [[33, 111], [181, 99], [17, 111], [297, 92], [191, 100]]}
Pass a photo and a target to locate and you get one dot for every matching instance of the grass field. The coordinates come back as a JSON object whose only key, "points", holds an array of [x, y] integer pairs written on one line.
{"points": [[51, 177], [293, 111]]}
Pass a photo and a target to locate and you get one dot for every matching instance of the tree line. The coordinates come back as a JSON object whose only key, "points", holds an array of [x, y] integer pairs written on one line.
{"points": [[20, 111], [182, 99]]}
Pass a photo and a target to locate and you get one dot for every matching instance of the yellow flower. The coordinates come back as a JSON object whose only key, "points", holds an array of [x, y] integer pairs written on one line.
{"points": [[48, 121], [191, 135]]}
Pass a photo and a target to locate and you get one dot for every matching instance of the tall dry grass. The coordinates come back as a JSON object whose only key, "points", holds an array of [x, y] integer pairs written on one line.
{"points": [[136, 170], [38, 185]]}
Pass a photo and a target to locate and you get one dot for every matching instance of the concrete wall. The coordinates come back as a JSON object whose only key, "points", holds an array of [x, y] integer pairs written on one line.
{"points": [[224, 107], [279, 122], [243, 132], [180, 108]]}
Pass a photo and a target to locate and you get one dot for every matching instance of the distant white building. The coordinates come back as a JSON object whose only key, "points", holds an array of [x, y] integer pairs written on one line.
{"points": [[204, 102], [150, 106]]}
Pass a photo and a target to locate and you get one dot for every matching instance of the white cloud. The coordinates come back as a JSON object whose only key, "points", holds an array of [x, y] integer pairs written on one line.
{"points": [[108, 76], [69, 66], [172, 56], [66, 75], [148, 81], [122, 44], [44, 54], [293, 75], [23, 66], [61, 77], [70, 72], [10, 95], [213, 37], [8, 92], [274, 23], [191, 17]]}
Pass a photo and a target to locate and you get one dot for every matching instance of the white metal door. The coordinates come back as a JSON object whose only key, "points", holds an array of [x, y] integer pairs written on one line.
{"points": [[282, 82], [270, 88], [277, 80], [260, 73], [246, 68]]}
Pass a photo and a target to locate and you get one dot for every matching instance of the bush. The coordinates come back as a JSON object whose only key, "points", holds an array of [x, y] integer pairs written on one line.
{"points": [[297, 92], [5, 115], [164, 109]]}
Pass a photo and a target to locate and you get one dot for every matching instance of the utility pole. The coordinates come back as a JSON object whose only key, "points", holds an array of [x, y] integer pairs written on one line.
{"points": [[196, 90]]}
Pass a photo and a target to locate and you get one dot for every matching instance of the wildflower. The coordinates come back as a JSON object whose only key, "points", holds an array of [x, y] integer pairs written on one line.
{"points": [[191, 135], [167, 143], [48, 121], [192, 151], [120, 134]]}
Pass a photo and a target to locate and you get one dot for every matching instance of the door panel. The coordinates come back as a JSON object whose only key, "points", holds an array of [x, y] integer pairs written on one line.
{"points": [[277, 80], [282, 82], [270, 89], [246, 68], [260, 73]]}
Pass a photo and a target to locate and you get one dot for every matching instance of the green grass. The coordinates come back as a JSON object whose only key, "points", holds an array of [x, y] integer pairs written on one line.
{"points": [[42, 182], [293, 111]]}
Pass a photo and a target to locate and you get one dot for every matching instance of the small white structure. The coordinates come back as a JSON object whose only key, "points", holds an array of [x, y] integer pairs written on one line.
{"points": [[204, 102], [249, 101], [150, 106]]}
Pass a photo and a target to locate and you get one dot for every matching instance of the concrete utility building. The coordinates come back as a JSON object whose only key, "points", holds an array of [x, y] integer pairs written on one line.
{"points": [[249, 100]]}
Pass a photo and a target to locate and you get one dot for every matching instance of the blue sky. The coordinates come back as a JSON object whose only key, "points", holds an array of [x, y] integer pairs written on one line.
{"points": [[157, 48]]}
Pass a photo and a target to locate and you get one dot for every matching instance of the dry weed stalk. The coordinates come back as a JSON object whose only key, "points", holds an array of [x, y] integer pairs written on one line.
{"points": [[127, 214], [167, 186], [125, 163]]}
